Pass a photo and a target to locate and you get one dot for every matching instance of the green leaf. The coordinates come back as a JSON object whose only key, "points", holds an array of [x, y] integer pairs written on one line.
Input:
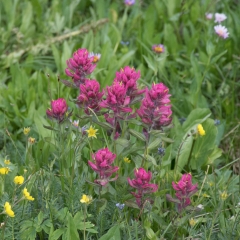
{"points": [[71, 232], [138, 135], [112, 234], [155, 143], [57, 234], [40, 218]]}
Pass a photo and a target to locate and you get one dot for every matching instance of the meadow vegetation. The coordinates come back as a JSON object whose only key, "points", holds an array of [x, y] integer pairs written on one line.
{"points": [[119, 119]]}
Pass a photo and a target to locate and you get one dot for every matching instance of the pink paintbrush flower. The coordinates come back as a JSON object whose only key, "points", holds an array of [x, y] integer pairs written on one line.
{"points": [[79, 66], [103, 159], [58, 109], [142, 184], [90, 96]]}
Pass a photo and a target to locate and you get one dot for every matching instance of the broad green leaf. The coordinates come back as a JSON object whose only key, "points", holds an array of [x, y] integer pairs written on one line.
{"points": [[57, 234], [112, 234], [137, 134], [154, 144], [71, 232]]}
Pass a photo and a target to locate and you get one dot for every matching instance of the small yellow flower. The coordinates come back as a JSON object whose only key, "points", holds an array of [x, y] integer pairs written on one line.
{"points": [[8, 209], [200, 130], [205, 195], [210, 184], [127, 160], [26, 130], [92, 132], [86, 199], [4, 170], [31, 140], [192, 222], [27, 195], [224, 195], [18, 180], [7, 161]]}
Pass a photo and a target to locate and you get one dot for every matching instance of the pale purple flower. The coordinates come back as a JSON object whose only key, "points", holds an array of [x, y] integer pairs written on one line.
{"points": [[129, 2], [158, 48], [75, 123], [209, 16], [221, 31], [103, 159], [58, 109], [96, 56], [219, 17], [142, 184]]}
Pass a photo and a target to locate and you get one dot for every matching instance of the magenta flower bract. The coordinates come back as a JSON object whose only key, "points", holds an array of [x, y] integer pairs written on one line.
{"points": [[184, 190], [58, 109], [79, 66], [141, 183], [155, 110], [128, 78], [103, 160], [90, 96]]}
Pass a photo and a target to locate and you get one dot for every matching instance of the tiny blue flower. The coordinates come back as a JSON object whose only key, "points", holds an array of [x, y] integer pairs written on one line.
{"points": [[161, 151], [216, 122], [120, 206]]}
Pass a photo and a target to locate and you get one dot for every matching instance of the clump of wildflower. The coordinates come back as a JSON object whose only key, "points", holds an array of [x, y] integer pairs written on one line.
{"points": [[127, 160], [224, 195], [120, 206], [155, 110], [91, 132], [90, 96], [129, 2], [219, 17], [142, 184], [58, 109], [8, 209], [26, 130], [96, 56], [7, 161], [221, 31], [209, 16], [4, 170], [103, 159], [184, 190], [18, 180], [79, 66], [158, 48], [86, 199], [192, 222], [31, 140], [27, 195], [200, 130]]}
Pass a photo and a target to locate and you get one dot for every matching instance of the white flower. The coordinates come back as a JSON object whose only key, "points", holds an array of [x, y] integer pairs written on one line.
{"points": [[200, 206], [219, 17], [221, 31], [208, 16]]}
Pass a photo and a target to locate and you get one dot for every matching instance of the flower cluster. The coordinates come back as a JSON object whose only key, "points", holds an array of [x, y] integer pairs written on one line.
{"points": [[142, 184], [155, 110], [103, 160], [80, 65], [184, 190], [58, 109], [90, 96]]}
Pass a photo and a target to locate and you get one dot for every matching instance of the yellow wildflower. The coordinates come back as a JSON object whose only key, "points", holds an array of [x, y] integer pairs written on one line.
{"points": [[224, 195], [92, 132], [127, 160], [31, 140], [26, 130], [4, 170], [27, 195], [7, 161], [205, 195], [192, 222], [86, 199], [18, 180], [200, 130], [210, 184], [8, 209]]}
